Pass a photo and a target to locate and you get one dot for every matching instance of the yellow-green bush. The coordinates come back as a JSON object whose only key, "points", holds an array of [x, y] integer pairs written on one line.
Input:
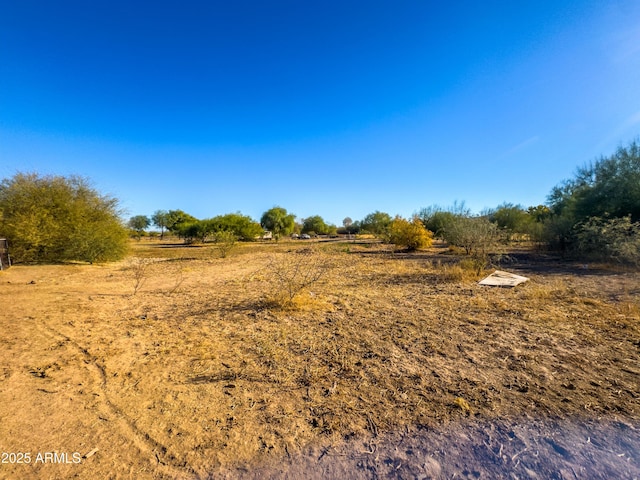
{"points": [[56, 218], [409, 234]]}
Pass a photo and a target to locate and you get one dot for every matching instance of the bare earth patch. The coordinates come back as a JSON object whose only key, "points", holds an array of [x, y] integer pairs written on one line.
{"points": [[390, 366]]}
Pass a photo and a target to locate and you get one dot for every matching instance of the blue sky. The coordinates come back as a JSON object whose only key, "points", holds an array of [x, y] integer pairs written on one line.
{"points": [[336, 108]]}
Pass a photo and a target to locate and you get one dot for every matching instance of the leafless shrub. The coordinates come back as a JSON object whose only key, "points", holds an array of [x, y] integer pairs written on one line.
{"points": [[225, 241], [178, 279], [139, 270], [292, 272]]}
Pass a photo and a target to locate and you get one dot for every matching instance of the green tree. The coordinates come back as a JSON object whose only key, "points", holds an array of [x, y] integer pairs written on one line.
{"points": [[138, 224], [193, 232], [315, 224], [511, 219], [376, 223], [436, 220], [610, 187], [176, 218], [605, 190], [160, 219], [242, 226], [347, 223], [57, 218], [278, 221]]}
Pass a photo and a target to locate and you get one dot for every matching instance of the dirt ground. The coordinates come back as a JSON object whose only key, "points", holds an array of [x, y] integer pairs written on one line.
{"points": [[176, 363]]}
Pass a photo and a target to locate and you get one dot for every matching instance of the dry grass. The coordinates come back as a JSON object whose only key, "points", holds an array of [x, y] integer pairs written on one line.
{"points": [[199, 370]]}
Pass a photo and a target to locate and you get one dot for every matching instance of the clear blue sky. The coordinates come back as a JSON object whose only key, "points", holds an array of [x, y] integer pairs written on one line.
{"points": [[336, 108]]}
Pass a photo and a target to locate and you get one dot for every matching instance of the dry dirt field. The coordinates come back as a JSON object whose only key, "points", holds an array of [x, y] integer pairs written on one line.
{"points": [[176, 363]]}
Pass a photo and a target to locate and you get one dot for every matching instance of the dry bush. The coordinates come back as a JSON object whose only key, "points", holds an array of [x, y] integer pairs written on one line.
{"points": [[225, 241], [550, 291], [478, 236], [178, 276], [293, 272], [477, 264], [467, 269], [139, 271]]}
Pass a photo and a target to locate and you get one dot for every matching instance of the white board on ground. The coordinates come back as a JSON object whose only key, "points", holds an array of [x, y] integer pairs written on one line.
{"points": [[503, 279]]}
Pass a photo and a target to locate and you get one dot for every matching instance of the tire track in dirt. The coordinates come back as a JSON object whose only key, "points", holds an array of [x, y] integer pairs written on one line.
{"points": [[167, 463]]}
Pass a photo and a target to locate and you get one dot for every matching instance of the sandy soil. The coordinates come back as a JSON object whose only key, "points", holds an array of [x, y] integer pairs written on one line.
{"points": [[390, 366]]}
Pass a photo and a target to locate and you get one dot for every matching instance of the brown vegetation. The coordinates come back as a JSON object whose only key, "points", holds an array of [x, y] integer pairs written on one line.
{"points": [[197, 375]]}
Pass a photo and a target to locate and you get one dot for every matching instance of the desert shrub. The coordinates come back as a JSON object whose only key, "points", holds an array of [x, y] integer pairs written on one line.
{"points": [[607, 189], [242, 226], [475, 264], [409, 234], [56, 218], [539, 213], [437, 219], [558, 232], [224, 241], [476, 235], [616, 239], [139, 272], [291, 273], [467, 269], [438, 222], [512, 220]]}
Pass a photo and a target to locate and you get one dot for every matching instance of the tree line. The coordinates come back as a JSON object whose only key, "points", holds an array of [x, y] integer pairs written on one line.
{"points": [[595, 214]]}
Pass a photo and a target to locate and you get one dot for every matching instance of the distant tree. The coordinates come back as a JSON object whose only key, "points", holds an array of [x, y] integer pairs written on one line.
{"points": [[539, 213], [409, 234], [376, 223], [355, 227], [315, 224], [278, 221], [241, 226], [57, 218], [346, 223], [160, 219], [193, 232], [176, 218], [511, 219], [437, 219], [602, 191], [610, 187], [139, 224]]}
